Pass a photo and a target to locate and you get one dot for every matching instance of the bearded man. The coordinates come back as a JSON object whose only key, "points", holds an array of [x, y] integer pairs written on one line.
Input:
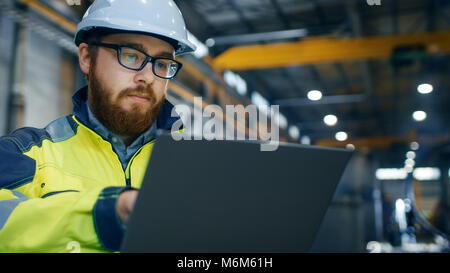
{"points": [[74, 182]]}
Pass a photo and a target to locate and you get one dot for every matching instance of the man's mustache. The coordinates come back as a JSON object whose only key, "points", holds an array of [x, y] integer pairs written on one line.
{"points": [[143, 92]]}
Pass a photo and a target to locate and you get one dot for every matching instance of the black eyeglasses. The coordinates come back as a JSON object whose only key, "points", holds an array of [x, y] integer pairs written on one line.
{"points": [[134, 59]]}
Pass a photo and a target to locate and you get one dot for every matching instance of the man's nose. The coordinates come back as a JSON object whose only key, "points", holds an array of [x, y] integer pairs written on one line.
{"points": [[145, 75]]}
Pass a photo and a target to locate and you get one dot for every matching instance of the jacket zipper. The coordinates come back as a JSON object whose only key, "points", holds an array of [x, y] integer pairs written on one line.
{"points": [[128, 169]]}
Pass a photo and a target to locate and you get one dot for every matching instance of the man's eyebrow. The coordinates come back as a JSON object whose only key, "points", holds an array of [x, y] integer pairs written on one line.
{"points": [[143, 49]]}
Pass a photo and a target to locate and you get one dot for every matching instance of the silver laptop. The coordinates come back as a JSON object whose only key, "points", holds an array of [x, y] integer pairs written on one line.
{"points": [[229, 197]]}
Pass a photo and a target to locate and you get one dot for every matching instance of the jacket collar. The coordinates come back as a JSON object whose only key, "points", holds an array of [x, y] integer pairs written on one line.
{"points": [[164, 121]]}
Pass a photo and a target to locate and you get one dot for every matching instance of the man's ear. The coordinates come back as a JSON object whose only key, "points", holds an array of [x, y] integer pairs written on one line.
{"points": [[84, 58]]}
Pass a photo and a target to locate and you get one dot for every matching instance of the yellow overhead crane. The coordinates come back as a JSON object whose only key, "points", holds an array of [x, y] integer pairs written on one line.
{"points": [[326, 50]]}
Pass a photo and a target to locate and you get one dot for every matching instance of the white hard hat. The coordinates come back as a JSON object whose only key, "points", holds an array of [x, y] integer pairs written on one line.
{"points": [[160, 18]]}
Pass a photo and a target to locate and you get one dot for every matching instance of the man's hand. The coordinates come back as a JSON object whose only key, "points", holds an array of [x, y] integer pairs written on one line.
{"points": [[125, 204]]}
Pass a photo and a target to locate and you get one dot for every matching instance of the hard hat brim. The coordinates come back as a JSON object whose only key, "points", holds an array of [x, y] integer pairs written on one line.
{"points": [[180, 47]]}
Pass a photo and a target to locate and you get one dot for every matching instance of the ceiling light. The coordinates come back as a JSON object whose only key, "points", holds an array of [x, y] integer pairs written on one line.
{"points": [[425, 88], [210, 42], [409, 162], [408, 168], [294, 132], [280, 119], [235, 81], [427, 173], [314, 95], [330, 120], [419, 115], [414, 146], [306, 140], [350, 146], [411, 155], [391, 174], [341, 136]]}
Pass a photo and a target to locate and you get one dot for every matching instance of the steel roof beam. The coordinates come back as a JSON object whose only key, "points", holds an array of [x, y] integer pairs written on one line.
{"points": [[241, 15], [283, 17], [197, 24], [259, 37]]}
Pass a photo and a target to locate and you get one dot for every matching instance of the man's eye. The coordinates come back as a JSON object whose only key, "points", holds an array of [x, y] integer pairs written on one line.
{"points": [[130, 58]]}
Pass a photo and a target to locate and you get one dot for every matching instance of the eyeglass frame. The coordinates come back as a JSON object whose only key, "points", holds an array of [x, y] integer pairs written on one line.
{"points": [[148, 58]]}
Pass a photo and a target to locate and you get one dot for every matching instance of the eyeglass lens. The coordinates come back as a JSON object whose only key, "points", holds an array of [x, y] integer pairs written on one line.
{"points": [[134, 59]]}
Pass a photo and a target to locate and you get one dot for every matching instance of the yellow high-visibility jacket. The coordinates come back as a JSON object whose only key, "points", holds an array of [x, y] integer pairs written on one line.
{"points": [[59, 185]]}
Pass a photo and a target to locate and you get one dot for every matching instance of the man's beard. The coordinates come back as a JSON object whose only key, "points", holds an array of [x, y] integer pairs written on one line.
{"points": [[112, 116]]}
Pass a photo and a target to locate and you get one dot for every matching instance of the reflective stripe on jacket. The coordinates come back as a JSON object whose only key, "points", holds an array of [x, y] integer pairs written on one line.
{"points": [[59, 185]]}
